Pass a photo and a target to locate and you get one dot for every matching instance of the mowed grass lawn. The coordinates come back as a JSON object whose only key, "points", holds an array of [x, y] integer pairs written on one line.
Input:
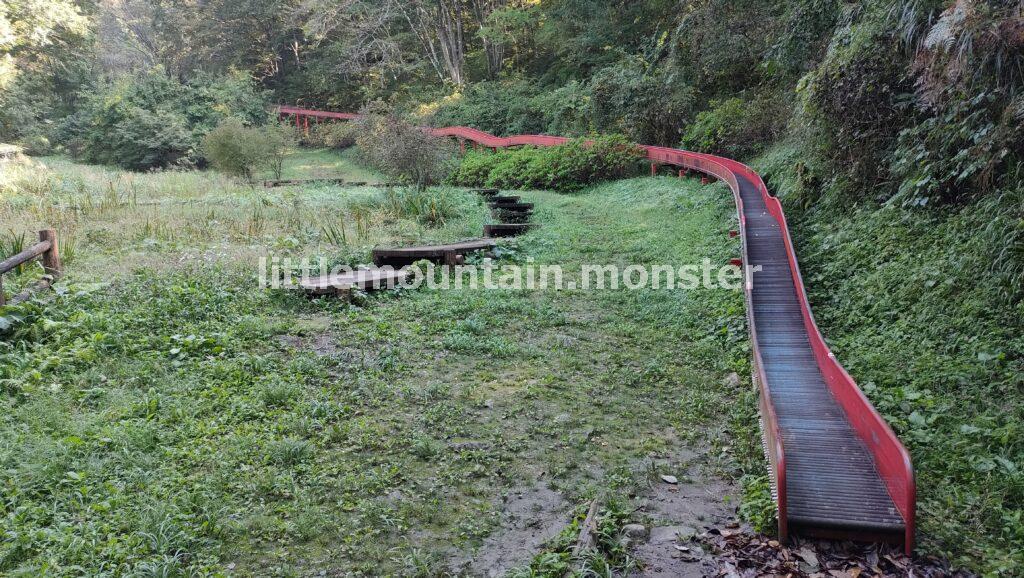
{"points": [[164, 416]]}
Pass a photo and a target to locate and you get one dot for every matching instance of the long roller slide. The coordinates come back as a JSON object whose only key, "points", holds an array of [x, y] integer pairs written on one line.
{"points": [[838, 470]]}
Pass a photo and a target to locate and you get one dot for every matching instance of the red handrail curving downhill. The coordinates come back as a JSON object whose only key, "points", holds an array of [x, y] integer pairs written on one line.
{"points": [[823, 495]]}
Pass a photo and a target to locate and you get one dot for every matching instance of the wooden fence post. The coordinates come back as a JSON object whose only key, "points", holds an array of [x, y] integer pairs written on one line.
{"points": [[51, 258]]}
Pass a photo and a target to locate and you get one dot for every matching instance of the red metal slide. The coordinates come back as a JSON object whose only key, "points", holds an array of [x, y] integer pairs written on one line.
{"points": [[837, 468]]}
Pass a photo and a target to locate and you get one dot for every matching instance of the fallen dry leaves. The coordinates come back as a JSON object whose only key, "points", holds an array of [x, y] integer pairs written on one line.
{"points": [[740, 553]]}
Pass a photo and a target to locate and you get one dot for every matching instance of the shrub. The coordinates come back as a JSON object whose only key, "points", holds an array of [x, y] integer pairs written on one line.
{"points": [[623, 98], [521, 168], [571, 166], [505, 107], [151, 120], [403, 151], [36, 145], [736, 128], [474, 168], [646, 107], [242, 151], [277, 139], [856, 102], [335, 135]]}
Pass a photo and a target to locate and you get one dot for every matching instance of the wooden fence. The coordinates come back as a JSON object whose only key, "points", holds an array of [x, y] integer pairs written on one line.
{"points": [[48, 251]]}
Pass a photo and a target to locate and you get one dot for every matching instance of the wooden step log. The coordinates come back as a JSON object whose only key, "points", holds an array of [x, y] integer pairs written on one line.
{"points": [[342, 284], [486, 192], [505, 199], [452, 254], [516, 207], [503, 230], [513, 217]]}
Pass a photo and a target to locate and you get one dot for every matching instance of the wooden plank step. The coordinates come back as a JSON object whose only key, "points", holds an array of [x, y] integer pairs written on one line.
{"points": [[363, 279], [445, 254], [506, 230], [515, 207], [485, 192], [506, 199], [510, 217]]}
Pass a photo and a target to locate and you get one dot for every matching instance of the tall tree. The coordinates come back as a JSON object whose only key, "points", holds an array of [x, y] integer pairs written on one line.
{"points": [[439, 25], [42, 43], [494, 48]]}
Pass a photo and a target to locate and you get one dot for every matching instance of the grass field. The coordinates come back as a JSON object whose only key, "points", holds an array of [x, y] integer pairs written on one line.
{"points": [[166, 417], [113, 221]]}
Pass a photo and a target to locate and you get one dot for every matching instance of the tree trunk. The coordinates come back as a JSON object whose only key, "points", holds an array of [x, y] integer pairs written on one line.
{"points": [[450, 37], [438, 24], [494, 50]]}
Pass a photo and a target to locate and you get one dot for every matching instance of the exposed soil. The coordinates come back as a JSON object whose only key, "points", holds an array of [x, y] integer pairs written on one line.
{"points": [[530, 517], [677, 513]]}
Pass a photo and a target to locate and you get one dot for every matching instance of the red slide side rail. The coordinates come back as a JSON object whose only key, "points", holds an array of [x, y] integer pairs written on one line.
{"points": [[891, 458]]}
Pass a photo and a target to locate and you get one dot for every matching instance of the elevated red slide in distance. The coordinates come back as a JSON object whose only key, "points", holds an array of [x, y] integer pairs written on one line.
{"points": [[837, 468]]}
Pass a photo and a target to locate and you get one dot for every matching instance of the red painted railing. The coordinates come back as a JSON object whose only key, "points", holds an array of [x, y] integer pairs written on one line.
{"points": [[891, 459]]}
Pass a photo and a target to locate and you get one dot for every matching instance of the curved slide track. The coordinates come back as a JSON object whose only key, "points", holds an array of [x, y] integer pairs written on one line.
{"points": [[838, 471]]}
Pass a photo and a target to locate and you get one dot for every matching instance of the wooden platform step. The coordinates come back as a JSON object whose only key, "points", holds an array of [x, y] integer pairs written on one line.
{"points": [[445, 254], [512, 216], [505, 199], [486, 192], [506, 230], [512, 206], [364, 279]]}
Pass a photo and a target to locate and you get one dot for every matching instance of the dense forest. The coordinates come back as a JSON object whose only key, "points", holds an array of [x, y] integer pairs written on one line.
{"points": [[911, 101], [893, 130]]}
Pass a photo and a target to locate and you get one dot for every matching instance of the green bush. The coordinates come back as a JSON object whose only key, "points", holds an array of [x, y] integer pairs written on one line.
{"points": [[856, 101], [335, 135], [36, 145], [402, 150], [151, 120], [474, 169], [243, 151], [650, 108], [506, 107], [736, 128], [623, 98], [568, 167]]}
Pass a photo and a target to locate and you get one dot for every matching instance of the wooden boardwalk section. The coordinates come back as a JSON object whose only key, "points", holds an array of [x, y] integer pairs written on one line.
{"points": [[363, 279], [451, 254]]}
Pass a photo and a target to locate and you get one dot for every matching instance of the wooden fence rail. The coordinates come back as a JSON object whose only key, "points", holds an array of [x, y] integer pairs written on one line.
{"points": [[47, 249]]}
